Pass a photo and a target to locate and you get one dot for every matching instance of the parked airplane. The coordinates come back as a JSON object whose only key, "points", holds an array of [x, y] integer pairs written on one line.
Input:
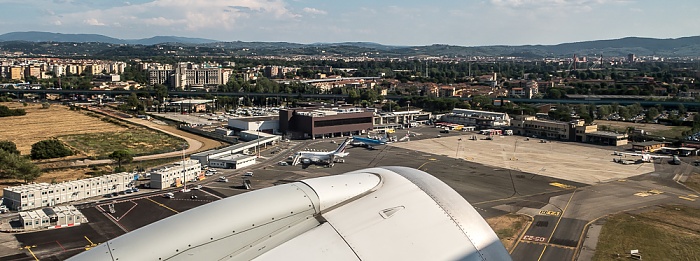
{"points": [[647, 157], [387, 213], [369, 141], [308, 157]]}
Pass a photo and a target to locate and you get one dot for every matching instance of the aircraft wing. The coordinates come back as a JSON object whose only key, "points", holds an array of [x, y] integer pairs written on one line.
{"points": [[388, 213]]}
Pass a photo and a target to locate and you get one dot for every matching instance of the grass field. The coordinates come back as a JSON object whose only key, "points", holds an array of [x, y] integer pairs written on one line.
{"points": [[40, 124], [139, 141], [654, 129], [666, 233], [508, 227]]}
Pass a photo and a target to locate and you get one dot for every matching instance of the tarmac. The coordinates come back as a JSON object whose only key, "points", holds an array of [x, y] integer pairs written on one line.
{"points": [[562, 203]]}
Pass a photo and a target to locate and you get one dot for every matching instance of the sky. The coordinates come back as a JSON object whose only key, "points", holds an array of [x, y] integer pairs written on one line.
{"points": [[390, 22]]}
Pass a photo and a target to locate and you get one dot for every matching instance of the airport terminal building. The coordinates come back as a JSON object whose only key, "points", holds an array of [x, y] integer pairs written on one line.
{"points": [[313, 123]]}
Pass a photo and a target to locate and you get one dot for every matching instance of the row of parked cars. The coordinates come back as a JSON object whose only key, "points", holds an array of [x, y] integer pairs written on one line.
{"points": [[124, 192]]}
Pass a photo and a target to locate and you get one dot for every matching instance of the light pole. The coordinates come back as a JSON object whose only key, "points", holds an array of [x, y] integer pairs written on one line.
{"points": [[258, 138]]}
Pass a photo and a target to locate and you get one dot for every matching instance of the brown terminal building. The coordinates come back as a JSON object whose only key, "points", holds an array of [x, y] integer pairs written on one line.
{"points": [[313, 123]]}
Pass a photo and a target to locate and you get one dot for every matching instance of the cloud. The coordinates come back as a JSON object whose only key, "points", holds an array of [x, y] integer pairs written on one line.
{"points": [[314, 11], [93, 21], [187, 14], [554, 4]]}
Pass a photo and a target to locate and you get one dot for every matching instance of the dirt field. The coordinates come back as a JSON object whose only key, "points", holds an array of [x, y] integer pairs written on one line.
{"points": [[40, 124], [667, 233], [508, 227]]}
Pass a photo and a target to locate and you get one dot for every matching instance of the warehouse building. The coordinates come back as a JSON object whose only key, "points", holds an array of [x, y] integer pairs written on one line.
{"points": [[313, 123], [39, 195], [176, 174], [56, 217]]}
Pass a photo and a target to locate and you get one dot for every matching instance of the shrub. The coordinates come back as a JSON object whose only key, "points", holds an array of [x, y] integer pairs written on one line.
{"points": [[6, 112], [49, 149]]}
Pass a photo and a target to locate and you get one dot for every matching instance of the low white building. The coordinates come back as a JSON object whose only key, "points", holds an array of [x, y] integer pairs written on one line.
{"points": [[269, 124], [232, 156], [39, 195], [233, 161], [176, 174], [57, 217]]}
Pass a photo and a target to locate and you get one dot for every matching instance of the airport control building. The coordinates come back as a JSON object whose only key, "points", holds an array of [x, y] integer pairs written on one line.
{"points": [[313, 123]]}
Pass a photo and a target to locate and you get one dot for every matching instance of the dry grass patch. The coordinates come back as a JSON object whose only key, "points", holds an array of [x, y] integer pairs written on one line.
{"points": [[40, 124], [667, 233], [508, 227], [654, 129]]}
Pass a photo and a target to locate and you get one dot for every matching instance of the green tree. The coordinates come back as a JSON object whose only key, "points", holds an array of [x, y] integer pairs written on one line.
{"points": [[161, 91], [49, 149], [652, 113], [9, 146], [682, 109], [15, 166], [121, 156], [481, 101], [603, 111]]}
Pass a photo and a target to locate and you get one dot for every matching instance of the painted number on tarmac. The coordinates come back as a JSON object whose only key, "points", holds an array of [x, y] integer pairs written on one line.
{"points": [[534, 238], [560, 185], [550, 213]]}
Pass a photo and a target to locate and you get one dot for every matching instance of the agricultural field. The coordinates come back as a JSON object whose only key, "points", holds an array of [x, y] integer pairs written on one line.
{"points": [[40, 124], [92, 135], [666, 233]]}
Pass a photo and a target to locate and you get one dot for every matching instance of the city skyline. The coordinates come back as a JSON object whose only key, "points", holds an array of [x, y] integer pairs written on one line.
{"points": [[488, 22]]}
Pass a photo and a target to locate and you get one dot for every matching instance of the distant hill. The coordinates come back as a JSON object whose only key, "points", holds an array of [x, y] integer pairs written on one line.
{"points": [[96, 38], [679, 47]]}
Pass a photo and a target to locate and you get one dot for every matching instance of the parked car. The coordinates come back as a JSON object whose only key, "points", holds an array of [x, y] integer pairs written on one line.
{"points": [[248, 174]]}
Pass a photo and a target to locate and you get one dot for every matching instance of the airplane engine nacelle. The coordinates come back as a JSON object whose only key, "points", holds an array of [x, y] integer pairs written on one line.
{"points": [[388, 213]]}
